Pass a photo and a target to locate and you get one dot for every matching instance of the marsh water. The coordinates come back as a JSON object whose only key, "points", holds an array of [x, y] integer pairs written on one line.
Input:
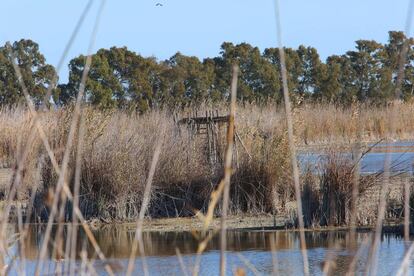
{"points": [[249, 250], [401, 158]]}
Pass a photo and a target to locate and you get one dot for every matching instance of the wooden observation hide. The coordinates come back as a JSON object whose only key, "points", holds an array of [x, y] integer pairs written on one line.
{"points": [[208, 126]]}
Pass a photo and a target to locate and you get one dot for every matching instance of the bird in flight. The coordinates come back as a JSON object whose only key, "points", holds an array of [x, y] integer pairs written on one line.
{"points": [[159, 5]]}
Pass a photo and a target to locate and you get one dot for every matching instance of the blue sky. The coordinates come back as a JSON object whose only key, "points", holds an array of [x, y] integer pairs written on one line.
{"points": [[196, 27]]}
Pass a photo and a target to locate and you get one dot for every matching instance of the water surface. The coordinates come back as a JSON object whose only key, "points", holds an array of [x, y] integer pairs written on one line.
{"points": [[249, 250], [401, 158]]}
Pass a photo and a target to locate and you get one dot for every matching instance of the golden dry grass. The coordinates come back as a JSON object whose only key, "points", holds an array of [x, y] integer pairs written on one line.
{"points": [[118, 147]]}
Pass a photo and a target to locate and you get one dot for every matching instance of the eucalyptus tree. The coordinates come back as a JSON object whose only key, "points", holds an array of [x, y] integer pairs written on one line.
{"points": [[294, 70], [117, 78], [37, 74], [259, 80]]}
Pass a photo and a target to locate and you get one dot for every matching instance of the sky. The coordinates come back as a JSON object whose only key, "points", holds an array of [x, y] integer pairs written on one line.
{"points": [[197, 27]]}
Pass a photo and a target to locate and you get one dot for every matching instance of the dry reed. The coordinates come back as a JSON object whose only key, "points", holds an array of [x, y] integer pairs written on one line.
{"points": [[117, 149], [291, 142]]}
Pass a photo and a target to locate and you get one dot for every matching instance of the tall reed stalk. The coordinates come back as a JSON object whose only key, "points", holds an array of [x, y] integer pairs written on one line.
{"points": [[228, 159], [292, 147]]}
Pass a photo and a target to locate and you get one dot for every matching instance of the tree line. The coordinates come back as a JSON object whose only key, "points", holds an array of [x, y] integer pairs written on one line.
{"points": [[120, 78]]}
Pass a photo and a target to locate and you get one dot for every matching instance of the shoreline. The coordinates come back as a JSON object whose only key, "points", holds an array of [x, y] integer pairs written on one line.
{"points": [[234, 223], [247, 223]]}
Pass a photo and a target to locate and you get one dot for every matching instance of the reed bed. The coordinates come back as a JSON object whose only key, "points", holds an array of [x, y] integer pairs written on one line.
{"points": [[118, 148]]}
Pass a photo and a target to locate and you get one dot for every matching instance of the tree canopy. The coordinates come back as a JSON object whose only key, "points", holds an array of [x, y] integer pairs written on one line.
{"points": [[37, 74], [121, 78]]}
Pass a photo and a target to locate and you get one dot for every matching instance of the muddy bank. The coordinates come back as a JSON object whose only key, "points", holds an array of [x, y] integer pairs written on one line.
{"points": [[195, 224], [248, 223]]}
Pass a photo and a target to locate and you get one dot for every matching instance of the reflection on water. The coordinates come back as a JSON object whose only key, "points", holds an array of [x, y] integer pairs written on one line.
{"points": [[160, 248]]}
